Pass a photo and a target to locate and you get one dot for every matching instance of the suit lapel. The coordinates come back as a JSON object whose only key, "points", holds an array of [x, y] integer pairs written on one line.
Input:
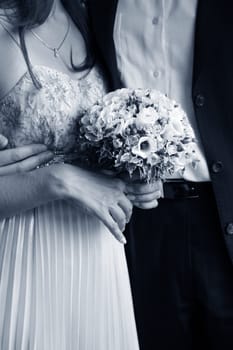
{"points": [[208, 35]]}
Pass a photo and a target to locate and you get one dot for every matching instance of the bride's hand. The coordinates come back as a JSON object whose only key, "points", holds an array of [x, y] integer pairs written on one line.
{"points": [[22, 159], [99, 194]]}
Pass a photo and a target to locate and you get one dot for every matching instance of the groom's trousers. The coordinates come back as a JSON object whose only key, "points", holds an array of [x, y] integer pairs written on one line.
{"points": [[181, 275]]}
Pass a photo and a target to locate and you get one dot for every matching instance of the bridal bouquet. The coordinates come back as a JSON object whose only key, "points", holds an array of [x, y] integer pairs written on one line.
{"points": [[137, 132]]}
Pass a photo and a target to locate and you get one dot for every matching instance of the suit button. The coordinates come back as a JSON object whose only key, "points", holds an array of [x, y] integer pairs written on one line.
{"points": [[217, 167], [83, 3], [229, 228], [199, 100]]}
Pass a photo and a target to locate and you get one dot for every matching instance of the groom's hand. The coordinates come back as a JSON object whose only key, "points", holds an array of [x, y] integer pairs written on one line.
{"points": [[145, 196]]}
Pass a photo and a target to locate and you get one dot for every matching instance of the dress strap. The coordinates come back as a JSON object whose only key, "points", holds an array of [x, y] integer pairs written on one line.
{"points": [[10, 34]]}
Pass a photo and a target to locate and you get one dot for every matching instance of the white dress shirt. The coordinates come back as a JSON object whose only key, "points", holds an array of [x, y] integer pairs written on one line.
{"points": [[154, 42]]}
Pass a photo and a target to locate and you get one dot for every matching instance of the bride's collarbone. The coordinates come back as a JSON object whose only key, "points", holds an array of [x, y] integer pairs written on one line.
{"points": [[13, 68], [49, 54], [13, 65], [60, 65]]}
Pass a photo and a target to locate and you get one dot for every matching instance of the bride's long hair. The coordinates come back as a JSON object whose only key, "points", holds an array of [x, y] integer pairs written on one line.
{"points": [[27, 14]]}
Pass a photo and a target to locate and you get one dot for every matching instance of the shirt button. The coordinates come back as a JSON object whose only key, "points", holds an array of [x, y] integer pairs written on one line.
{"points": [[155, 21], [199, 100], [217, 167], [229, 229], [156, 73]]}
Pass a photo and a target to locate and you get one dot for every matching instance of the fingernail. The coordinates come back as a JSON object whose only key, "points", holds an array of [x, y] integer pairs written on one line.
{"points": [[3, 141], [123, 240]]}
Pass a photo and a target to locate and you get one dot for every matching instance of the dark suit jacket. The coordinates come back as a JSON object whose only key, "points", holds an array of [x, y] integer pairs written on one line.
{"points": [[212, 90]]}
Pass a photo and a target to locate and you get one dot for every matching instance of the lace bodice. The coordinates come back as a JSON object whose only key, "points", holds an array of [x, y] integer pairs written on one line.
{"points": [[48, 115]]}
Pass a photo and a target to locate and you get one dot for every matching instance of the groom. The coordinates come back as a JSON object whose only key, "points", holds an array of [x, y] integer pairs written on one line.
{"points": [[180, 254]]}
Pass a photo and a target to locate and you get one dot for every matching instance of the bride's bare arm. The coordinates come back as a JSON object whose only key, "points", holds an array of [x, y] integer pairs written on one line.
{"points": [[98, 194], [101, 195], [25, 190]]}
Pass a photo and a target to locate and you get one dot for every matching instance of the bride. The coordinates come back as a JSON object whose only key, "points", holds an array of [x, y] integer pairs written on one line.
{"points": [[63, 276]]}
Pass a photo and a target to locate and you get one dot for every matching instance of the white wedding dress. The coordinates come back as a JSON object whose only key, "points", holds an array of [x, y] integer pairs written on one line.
{"points": [[63, 277]]}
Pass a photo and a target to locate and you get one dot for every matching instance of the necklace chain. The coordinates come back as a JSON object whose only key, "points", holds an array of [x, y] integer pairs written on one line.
{"points": [[54, 49]]}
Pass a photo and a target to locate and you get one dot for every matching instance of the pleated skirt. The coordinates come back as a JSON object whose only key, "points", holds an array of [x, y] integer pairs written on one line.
{"points": [[64, 283]]}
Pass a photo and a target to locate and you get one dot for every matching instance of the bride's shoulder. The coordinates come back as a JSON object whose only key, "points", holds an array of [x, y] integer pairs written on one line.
{"points": [[6, 27], [8, 40], [10, 57]]}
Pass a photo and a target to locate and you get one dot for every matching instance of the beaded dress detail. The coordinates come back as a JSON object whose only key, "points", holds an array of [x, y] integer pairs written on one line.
{"points": [[63, 277]]}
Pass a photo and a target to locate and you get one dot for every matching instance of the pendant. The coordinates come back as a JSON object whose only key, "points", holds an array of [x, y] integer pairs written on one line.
{"points": [[55, 51]]}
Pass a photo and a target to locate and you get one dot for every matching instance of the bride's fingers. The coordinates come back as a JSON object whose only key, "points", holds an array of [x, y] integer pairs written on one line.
{"points": [[126, 205], [112, 225], [3, 142], [118, 216], [108, 220], [10, 156], [28, 164]]}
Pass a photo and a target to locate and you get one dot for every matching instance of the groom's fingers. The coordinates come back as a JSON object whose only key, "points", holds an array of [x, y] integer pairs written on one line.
{"points": [[146, 205], [140, 189], [149, 197]]}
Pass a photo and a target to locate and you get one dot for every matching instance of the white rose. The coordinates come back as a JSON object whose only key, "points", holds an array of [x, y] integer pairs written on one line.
{"points": [[107, 117], [146, 117]]}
